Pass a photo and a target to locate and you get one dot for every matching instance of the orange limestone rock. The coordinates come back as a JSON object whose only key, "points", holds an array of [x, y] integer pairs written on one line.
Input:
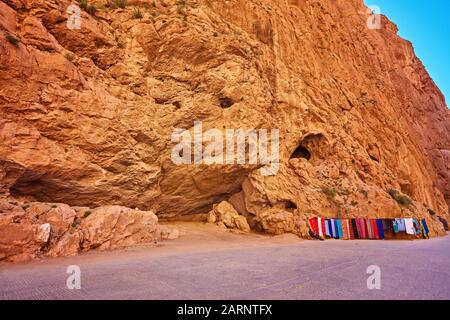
{"points": [[87, 116]]}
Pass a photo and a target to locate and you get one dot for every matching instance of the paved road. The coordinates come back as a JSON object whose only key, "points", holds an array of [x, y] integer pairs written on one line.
{"points": [[300, 270]]}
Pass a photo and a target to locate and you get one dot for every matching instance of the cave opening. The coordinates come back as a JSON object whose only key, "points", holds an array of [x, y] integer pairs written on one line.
{"points": [[226, 102], [311, 147], [288, 204], [301, 152]]}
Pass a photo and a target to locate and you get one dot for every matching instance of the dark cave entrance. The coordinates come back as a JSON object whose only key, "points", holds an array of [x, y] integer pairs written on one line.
{"points": [[225, 102], [301, 152], [311, 147]]}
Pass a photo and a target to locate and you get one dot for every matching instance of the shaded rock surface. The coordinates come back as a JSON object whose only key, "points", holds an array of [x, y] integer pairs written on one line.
{"points": [[86, 115]]}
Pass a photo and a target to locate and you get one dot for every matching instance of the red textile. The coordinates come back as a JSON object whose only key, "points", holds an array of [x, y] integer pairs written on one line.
{"points": [[361, 229], [345, 229], [323, 227], [375, 229], [364, 229], [314, 225]]}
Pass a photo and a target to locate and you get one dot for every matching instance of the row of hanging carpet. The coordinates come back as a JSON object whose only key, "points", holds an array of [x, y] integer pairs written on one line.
{"points": [[359, 228]]}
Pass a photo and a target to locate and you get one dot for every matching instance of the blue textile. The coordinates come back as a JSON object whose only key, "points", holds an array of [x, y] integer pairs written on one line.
{"points": [[401, 225], [333, 228], [395, 225], [380, 229], [425, 228], [330, 227], [339, 228], [416, 226], [327, 228]]}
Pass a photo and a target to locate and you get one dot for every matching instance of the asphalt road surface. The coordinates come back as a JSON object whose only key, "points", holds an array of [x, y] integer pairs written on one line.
{"points": [[243, 268]]}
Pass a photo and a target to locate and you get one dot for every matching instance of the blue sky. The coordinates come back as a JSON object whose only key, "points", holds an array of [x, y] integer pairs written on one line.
{"points": [[426, 23]]}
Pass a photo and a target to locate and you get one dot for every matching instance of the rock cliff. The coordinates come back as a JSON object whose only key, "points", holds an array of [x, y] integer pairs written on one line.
{"points": [[87, 115]]}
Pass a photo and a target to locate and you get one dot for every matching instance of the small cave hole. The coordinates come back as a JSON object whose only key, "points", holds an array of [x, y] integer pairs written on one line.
{"points": [[225, 103], [374, 158], [177, 104], [290, 205], [301, 152], [160, 100]]}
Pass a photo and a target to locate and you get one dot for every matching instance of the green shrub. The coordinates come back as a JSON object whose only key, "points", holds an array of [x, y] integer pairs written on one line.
{"points": [[404, 200], [54, 206], [12, 40], [431, 212], [87, 213], [181, 6], [114, 4], [120, 44], [91, 9], [354, 203], [83, 4], [400, 198], [330, 192], [120, 3], [393, 193], [25, 206], [137, 14]]}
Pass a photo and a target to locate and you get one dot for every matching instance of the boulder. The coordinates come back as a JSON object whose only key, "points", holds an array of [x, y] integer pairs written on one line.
{"points": [[111, 227], [69, 245], [55, 230], [60, 216], [225, 213]]}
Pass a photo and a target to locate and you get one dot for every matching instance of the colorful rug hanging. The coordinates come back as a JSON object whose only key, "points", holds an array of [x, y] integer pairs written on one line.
{"points": [[359, 228]]}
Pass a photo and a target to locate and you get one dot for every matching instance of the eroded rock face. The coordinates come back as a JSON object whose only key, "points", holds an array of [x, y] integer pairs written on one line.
{"points": [[34, 230], [86, 116]]}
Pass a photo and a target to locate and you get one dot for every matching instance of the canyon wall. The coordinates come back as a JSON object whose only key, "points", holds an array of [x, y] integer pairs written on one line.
{"points": [[87, 115]]}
